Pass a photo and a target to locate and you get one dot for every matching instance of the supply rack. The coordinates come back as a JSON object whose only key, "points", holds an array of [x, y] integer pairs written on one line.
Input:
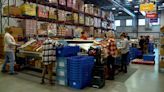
{"points": [[161, 51], [6, 18]]}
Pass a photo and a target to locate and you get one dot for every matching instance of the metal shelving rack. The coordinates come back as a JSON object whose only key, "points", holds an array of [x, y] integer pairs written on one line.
{"points": [[161, 56], [6, 19]]}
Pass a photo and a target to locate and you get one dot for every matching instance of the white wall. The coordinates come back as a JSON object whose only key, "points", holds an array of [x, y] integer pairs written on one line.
{"points": [[162, 18], [141, 30]]}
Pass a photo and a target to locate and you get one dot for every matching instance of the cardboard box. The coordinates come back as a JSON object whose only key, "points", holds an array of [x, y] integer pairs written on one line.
{"points": [[17, 31], [29, 26], [43, 11], [81, 18], [53, 1], [161, 51], [69, 17], [161, 64], [13, 10], [61, 15], [89, 8], [53, 13], [75, 4], [162, 29], [75, 17], [69, 3], [1, 46], [28, 9], [62, 2], [81, 5], [162, 41], [16, 67]]}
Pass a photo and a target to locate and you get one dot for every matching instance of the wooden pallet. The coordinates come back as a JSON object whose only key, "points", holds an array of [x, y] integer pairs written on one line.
{"points": [[142, 62]]}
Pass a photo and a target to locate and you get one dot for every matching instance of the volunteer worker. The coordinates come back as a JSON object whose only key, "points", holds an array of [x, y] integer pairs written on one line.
{"points": [[9, 50], [124, 52]]}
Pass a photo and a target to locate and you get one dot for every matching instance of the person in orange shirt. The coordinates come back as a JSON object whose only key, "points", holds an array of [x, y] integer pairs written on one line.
{"points": [[83, 36]]}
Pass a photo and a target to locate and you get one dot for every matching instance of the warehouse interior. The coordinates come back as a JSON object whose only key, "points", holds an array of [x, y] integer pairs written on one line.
{"points": [[81, 33]]}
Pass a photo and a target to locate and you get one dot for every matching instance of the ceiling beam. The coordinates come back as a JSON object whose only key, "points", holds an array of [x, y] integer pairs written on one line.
{"points": [[123, 8]]}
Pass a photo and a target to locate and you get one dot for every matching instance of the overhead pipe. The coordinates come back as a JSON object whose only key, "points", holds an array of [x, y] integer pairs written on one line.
{"points": [[123, 8]]}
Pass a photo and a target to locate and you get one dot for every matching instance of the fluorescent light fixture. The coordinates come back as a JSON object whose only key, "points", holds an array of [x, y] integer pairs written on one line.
{"points": [[119, 12], [136, 6], [130, 0], [113, 8], [136, 11]]}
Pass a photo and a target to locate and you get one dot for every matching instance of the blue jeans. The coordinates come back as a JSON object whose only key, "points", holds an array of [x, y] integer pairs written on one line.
{"points": [[9, 58]]}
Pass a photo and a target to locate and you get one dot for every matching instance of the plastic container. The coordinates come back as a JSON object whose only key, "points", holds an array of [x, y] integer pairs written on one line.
{"points": [[80, 71], [62, 62], [68, 51], [61, 72], [148, 57], [28, 9], [62, 81]]}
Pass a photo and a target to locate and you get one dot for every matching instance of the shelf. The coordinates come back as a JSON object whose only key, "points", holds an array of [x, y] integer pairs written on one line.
{"points": [[97, 27], [63, 7], [47, 20], [91, 15]]}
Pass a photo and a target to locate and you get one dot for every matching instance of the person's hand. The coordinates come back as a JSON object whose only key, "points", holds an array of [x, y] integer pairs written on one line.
{"points": [[18, 45]]}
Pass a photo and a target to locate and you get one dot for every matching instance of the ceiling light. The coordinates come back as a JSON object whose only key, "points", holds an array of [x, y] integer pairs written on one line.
{"points": [[119, 12], [130, 0], [136, 6], [113, 8], [136, 11]]}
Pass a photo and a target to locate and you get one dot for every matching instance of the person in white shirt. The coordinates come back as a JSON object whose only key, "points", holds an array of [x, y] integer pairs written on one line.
{"points": [[9, 50], [125, 52]]}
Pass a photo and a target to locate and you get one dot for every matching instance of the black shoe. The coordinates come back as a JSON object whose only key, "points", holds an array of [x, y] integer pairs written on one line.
{"points": [[15, 73], [125, 72], [4, 71], [120, 70], [42, 82], [110, 78], [51, 83]]}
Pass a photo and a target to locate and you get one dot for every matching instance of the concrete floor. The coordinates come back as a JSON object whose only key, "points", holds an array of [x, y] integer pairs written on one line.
{"points": [[144, 79]]}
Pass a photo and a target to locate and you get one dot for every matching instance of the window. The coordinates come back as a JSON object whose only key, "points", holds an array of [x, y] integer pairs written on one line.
{"points": [[117, 23], [141, 22], [129, 22]]}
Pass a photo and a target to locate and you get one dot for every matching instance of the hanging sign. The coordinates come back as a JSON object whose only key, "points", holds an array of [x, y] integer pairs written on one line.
{"points": [[152, 15], [154, 20], [147, 7]]}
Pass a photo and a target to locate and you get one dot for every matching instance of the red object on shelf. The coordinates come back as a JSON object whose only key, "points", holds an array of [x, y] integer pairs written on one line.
{"points": [[75, 4], [43, 11], [69, 3], [62, 2], [141, 61]]}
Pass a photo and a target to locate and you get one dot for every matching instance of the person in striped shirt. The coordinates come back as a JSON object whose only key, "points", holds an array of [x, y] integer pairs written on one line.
{"points": [[49, 58]]}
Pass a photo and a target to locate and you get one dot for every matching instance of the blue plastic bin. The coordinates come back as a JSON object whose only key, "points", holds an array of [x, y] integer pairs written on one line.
{"points": [[80, 71], [62, 81], [62, 62], [67, 51], [148, 57], [61, 72]]}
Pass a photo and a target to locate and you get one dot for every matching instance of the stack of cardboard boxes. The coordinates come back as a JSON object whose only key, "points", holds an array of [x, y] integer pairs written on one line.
{"points": [[162, 49], [29, 27], [1, 46]]}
